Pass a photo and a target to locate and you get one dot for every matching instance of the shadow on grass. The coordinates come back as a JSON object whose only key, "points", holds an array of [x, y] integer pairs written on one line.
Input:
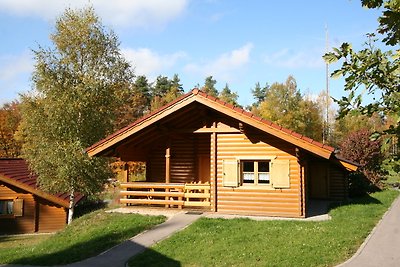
{"points": [[317, 207], [86, 252], [151, 258], [364, 200]]}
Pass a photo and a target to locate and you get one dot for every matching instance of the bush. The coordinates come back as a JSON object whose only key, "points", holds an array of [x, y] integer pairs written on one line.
{"points": [[359, 147]]}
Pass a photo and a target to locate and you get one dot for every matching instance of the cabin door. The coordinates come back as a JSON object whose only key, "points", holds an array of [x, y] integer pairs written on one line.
{"points": [[318, 179], [203, 163]]}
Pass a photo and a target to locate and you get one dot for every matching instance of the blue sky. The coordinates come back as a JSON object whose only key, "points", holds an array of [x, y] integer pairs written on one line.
{"points": [[238, 42]]}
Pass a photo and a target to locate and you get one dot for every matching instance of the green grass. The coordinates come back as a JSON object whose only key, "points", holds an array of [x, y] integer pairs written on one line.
{"points": [[87, 236], [244, 242]]}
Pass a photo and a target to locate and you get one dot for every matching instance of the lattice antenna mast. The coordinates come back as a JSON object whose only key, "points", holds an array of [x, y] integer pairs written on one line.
{"points": [[326, 130]]}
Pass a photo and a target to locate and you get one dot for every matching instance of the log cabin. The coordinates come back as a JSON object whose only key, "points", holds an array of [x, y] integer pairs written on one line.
{"points": [[202, 152], [24, 208]]}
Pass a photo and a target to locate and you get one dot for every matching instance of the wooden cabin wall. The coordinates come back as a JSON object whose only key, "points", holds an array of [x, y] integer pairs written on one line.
{"points": [[155, 165], [23, 224], [39, 215], [338, 183], [258, 200], [51, 218], [184, 153]]}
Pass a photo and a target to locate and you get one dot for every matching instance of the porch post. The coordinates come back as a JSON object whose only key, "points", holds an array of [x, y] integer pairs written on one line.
{"points": [[126, 172], [168, 162], [167, 168], [215, 167]]}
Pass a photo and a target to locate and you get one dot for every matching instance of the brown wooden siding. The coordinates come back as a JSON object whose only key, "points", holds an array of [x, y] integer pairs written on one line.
{"points": [[261, 200], [184, 153], [337, 183], [25, 223], [51, 218]]}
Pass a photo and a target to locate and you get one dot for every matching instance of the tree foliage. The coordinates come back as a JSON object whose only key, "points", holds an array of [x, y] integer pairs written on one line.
{"points": [[284, 105], [79, 83], [10, 117], [164, 91], [358, 147], [228, 96], [374, 72], [209, 86]]}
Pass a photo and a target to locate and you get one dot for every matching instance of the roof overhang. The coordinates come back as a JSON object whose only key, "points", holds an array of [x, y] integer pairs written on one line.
{"points": [[104, 146], [34, 191]]}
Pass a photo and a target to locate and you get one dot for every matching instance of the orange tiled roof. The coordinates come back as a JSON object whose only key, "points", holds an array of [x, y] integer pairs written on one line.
{"points": [[216, 100]]}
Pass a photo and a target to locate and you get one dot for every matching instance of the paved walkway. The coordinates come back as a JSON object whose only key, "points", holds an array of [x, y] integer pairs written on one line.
{"points": [[382, 246], [120, 254]]}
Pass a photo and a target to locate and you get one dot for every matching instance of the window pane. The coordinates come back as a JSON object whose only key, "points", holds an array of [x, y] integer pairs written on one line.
{"points": [[248, 177], [263, 178], [10, 207], [6, 207], [263, 166], [248, 166]]}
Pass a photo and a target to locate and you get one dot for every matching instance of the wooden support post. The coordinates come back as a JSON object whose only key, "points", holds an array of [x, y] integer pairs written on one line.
{"points": [[167, 167], [215, 167], [126, 172]]}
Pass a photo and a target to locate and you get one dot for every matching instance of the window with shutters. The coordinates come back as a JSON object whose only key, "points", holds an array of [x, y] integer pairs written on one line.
{"points": [[255, 172], [11, 207]]}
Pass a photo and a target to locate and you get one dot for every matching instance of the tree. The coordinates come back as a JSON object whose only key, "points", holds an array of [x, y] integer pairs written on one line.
{"points": [[10, 118], [209, 86], [358, 147], [79, 83], [285, 106], [165, 91], [228, 96], [353, 122], [374, 72], [259, 93]]}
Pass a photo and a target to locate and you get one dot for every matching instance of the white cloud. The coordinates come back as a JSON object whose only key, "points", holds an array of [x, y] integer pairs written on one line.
{"points": [[15, 73], [12, 66], [128, 13], [296, 59], [224, 66], [150, 63]]}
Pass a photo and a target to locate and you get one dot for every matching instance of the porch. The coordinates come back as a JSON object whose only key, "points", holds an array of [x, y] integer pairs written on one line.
{"points": [[167, 194]]}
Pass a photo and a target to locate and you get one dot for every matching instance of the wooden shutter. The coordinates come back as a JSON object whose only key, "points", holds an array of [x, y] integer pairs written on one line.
{"points": [[280, 173], [18, 207], [230, 173]]}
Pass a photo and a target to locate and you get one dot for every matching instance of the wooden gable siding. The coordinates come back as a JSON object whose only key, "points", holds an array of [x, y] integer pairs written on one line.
{"points": [[23, 224], [51, 218], [184, 153], [258, 200]]}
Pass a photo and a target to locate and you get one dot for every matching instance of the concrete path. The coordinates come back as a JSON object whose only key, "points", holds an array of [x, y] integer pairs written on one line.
{"points": [[120, 254], [382, 246]]}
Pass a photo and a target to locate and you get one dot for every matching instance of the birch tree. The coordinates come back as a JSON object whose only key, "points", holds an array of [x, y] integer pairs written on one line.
{"points": [[78, 84]]}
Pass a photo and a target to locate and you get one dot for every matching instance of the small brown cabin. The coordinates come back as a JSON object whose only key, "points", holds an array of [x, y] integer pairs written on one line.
{"points": [[201, 151], [24, 208]]}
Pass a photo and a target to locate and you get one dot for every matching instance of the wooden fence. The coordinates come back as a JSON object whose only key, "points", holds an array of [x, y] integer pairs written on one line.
{"points": [[170, 195]]}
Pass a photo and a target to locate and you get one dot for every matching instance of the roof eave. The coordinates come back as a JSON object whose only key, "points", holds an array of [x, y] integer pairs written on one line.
{"points": [[34, 191]]}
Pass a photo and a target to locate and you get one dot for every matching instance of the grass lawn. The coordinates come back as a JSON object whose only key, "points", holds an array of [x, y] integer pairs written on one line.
{"points": [[244, 242], [87, 236]]}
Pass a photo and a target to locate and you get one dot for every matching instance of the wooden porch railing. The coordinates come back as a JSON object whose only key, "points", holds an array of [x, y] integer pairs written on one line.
{"points": [[171, 194]]}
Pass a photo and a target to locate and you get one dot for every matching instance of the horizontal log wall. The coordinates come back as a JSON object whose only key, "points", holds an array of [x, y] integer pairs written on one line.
{"points": [[23, 224], [184, 153], [258, 200], [51, 218], [337, 183]]}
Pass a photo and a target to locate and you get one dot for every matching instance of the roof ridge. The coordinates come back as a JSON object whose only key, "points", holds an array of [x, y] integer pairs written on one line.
{"points": [[196, 91]]}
